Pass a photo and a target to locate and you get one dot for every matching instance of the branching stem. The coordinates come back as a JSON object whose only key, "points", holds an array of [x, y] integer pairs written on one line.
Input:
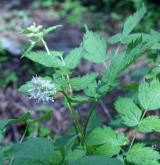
{"points": [[89, 116], [106, 110], [46, 47], [70, 88], [74, 117]]}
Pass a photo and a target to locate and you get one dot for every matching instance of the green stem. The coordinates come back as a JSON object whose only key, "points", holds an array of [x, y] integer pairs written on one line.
{"points": [[88, 118], [105, 65], [24, 134], [70, 88], [134, 138], [77, 125], [106, 110]]}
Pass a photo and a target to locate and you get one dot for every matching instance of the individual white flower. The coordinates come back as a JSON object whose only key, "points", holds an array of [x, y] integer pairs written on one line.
{"points": [[41, 89]]}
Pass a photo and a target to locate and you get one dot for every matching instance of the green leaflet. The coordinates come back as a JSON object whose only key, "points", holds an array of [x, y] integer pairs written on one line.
{"points": [[121, 60], [116, 66], [70, 153], [115, 38], [131, 37], [149, 95], [141, 155], [129, 111], [50, 29], [94, 47], [156, 46], [73, 58], [36, 151], [57, 158], [150, 124], [105, 141], [80, 83], [132, 21], [145, 38], [91, 90], [68, 146], [96, 160], [75, 154], [6, 122], [25, 87], [43, 58]]}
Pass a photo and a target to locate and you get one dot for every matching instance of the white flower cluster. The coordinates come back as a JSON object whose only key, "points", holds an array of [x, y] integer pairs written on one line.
{"points": [[34, 30], [41, 89]]}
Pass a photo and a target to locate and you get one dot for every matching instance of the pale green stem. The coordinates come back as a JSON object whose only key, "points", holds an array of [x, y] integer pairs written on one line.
{"points": [[24, 134], [89, 116], [106, 110], [105, 65], [74, 118], [36, 129], [70, 88], [46, 47], [132, 142]]}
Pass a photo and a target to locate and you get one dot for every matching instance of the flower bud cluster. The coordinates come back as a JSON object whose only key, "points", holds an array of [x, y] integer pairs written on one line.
{"points": [[34, 30]]}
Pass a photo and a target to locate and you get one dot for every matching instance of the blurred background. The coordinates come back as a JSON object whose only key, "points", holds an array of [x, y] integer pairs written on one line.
{"points": [[103, 16]]}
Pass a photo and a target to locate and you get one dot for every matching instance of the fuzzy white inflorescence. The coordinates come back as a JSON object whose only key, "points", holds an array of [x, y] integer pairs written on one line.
{"points": [[41, 89]]}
